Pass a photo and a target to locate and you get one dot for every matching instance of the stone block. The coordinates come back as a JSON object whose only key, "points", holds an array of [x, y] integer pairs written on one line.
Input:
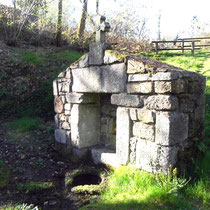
{"points": [[200, 114], [200, 99], [78, 98], [161, 102], [143, 87], [62, 74], [86, 80], [80, 153], [84, 61], [174, 86], [144, 131], [67, 107], [62, 117], [106, 109], [138, 78], [112, 126], [123, 134], [55, 88], [146, 116], [113, 78], [96, 53], [68, 74], [112, 56], [85, 125], [128, 100], [133, 114], [104, 128], [197, 84], [171, 128], [166, 76], [154, 158], [187, 105], [65, 126], [112, 141], [105, 156], [135, 67], [58, 104], [61, 136], [133, 142], [57, 121], [67, 112], [104, 79], [66, 86]]}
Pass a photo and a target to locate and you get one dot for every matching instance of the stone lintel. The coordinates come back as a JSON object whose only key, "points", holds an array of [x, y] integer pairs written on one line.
{"points": [[103, 79], [78, 98], [127, 100]]}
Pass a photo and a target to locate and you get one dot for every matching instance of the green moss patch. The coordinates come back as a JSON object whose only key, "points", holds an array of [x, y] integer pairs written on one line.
{"points": [[32, 186]]}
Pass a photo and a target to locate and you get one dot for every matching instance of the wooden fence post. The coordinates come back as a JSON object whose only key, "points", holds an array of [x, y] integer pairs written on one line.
{"points": [[156, 47], [193, 47], [182, 46]]}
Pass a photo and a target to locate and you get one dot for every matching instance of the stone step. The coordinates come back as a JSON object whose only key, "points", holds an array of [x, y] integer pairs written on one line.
{"points": [[105, 156]]}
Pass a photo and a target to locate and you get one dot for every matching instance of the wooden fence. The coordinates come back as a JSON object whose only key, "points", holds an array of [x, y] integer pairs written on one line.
{"points": [[191, 44]]}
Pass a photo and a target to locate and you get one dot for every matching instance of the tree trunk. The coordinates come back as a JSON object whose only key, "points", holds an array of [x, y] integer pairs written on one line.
{"points": [[59, 24], [97, 7], [83, 19]]}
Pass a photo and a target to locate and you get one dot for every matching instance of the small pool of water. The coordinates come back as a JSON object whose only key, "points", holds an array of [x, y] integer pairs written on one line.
{"points": [[86, 179]]}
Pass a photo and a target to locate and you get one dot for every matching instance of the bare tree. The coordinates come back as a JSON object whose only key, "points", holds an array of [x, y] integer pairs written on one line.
{"points": [[81, 28], [159, 29], [59, 24], [20, 17]]}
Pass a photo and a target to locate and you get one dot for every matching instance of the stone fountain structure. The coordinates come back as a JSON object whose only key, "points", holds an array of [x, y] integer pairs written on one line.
{"points": [[128, 109]]}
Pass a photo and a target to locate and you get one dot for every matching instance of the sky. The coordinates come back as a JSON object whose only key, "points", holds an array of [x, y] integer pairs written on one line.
{"points": [[176, 15]]}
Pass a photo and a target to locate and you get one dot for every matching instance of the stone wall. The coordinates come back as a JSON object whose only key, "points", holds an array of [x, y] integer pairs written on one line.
{"points": [[108, 122], [130, 109]]}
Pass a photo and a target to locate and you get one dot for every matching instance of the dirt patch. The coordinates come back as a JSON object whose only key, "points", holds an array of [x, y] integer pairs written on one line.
{"points": [[37, 170]]}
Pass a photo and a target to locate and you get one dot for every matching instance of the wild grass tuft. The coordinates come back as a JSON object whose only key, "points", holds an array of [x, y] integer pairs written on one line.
{"points": [[22, 206], [130, 188], [31, 186], [26, 124]]}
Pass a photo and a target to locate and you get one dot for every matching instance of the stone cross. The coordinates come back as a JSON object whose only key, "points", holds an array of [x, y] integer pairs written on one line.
{"points": [[101, 28]]}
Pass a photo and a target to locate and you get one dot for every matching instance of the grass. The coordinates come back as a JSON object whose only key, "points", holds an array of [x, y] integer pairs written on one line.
{"points": [[23, 206], [39, 67], [4, 174], [26, 124], [31, 186], [130, 188]]}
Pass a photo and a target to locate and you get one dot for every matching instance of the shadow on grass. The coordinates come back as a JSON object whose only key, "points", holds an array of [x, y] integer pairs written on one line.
{"points": [[175, 201]]}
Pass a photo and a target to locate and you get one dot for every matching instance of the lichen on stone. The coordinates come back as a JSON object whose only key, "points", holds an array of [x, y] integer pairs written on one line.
{"points": [[120, 56]]}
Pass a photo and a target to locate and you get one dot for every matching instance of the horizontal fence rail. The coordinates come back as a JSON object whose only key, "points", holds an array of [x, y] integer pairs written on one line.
{"points": [[191, 44]]}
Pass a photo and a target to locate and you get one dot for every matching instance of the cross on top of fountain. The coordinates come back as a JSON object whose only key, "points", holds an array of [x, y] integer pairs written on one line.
{"points": [[101, 28]]}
